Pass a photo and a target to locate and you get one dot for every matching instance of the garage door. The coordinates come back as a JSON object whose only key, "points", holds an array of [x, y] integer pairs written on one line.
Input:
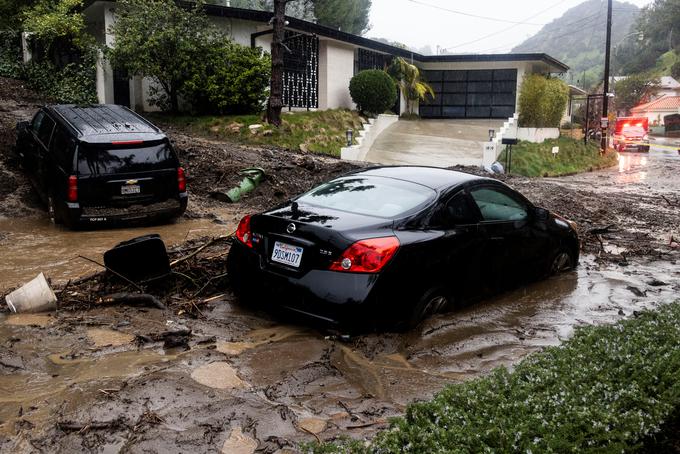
{"points": [[471, 94]]}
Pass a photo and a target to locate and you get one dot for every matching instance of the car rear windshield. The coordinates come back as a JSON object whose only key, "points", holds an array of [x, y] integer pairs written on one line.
{"points": [[112, 159], [373, 196]]}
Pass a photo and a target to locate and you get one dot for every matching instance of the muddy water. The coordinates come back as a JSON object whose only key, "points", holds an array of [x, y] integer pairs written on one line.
{"points": [[32, 245], [261, 380]]}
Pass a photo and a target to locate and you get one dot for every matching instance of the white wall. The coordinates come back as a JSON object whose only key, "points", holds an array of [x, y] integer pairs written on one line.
{"points": [[238, 30], [336, 69]]}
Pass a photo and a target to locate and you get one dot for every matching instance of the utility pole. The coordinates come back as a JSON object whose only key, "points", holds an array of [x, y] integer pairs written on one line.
{"points": [[605, 98]]}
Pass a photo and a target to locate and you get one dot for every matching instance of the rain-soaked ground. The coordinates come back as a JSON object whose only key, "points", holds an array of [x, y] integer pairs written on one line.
{"points": [[145, 380]]}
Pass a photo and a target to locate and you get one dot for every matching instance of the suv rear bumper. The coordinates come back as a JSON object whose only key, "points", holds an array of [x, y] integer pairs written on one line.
{"points": [[75, 215]]}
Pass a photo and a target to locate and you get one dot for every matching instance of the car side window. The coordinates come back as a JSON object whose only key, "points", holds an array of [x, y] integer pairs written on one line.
{"points": [[37, 121], [458, 211], [498, 206], [62, 148], [45, 130]]}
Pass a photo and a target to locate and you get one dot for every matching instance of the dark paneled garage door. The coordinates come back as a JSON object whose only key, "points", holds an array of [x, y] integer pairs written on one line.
{"points": [[471, 94]]}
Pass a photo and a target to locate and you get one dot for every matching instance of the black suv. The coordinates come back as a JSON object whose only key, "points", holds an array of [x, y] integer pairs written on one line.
{"points": [[101, 164]]}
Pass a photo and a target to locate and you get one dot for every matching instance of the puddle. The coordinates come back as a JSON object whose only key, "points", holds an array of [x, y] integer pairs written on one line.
{"points": [[39, 320], [108, 337], [312, 425], [61, 374], [218, 375], [257, 338], [239, 443], [59, 247]]}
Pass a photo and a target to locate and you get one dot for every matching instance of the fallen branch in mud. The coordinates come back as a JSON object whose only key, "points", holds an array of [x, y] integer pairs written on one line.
{"points": [[113, 272], [673, 204], [601, 230], [132, 298], [68, 426], [368, 424], [198, 251]]}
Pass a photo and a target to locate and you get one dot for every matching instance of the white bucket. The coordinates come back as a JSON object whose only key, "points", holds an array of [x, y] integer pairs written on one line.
{"points": [[34, 296]]}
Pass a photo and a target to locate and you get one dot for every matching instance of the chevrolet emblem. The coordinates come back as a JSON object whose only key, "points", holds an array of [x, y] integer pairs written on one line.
{"points": [[132, 182]]}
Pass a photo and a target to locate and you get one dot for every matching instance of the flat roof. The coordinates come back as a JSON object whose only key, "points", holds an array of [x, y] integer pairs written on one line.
{"points": [[328, 32]]}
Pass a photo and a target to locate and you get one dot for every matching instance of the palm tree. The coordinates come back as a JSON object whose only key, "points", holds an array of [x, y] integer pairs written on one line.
{"points": [[410, 82]]}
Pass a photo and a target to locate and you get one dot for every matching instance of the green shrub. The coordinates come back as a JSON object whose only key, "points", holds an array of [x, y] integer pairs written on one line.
{"points": [[230, 79], [373, 91], [675, 70], [542, 101], [10, 54], [75, 83], [605, 390]]}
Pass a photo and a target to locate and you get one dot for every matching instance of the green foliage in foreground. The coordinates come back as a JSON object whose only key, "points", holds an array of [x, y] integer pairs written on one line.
{"points": [[605, 390], [537, 160], [318, 132]]}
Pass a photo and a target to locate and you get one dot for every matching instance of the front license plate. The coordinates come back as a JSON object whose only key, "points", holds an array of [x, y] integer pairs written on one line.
{"points": [[287, 254], [130, 189]]}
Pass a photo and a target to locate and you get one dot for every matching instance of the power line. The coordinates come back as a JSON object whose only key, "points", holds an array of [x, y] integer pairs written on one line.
{"points": [[462, 13], [505, 29]]}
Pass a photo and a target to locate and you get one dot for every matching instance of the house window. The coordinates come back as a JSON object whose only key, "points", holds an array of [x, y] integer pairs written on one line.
{"points": [[366, 59]]}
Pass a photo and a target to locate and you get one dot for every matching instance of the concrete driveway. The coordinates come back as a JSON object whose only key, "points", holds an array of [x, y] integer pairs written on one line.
{"points": [[440, 143]]}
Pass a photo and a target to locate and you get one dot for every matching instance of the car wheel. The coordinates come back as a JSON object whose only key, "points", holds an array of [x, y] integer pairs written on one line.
{"points": [[51, 210], [433, 301], [563, 261]]}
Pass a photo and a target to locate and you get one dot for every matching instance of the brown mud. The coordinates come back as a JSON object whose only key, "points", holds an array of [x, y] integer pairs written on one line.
{"points": [[207, 374]]}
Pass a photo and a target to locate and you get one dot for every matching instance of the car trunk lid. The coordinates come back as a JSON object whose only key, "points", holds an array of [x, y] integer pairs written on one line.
{"points": [[319, 235], [122, 174]]}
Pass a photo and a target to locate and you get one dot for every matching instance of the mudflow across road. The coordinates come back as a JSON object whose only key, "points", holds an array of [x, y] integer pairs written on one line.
{"points": [[207, 374]]}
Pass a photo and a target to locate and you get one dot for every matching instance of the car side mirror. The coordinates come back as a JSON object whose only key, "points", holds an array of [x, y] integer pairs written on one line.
{"points": [[541, 214], [22, 126]]}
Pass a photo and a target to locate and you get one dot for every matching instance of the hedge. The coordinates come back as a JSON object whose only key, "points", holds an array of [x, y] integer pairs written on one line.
{"points": [[542, 101], [607, 389], [373, 91]]}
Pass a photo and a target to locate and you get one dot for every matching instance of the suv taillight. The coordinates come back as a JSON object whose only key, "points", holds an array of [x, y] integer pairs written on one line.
{"points": [[243, 233], [367, 256], [72, 195], [181, 180]]}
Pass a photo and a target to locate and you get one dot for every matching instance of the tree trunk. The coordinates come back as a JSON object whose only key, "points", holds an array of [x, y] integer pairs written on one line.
{"points": [[276, 92]]}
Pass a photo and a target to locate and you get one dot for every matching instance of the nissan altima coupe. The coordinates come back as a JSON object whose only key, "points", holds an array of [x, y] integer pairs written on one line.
{"points": [[394, 245]]}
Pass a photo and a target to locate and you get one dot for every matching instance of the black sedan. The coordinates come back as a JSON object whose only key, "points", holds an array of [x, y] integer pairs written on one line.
{"points": [[391, 245]]}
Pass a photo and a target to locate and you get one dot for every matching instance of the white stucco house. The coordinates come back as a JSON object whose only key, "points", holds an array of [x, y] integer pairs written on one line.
{"points": [[322, 61]]}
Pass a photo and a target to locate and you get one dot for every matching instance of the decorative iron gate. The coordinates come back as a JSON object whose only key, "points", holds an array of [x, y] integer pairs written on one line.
{"points": [[471, 94], [301, 71]]}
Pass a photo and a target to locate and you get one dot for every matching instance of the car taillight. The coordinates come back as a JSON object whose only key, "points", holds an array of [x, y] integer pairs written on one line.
{"points": [[367, 256], [243, 233], [72, 195], [181, 180]]}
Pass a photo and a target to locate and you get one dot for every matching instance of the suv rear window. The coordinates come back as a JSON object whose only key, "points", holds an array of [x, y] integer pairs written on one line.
{"points": [[111, 159], [373, 196]]}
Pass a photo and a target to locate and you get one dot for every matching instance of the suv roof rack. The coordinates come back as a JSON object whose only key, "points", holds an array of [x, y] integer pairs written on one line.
{"points": [[95, 120]]}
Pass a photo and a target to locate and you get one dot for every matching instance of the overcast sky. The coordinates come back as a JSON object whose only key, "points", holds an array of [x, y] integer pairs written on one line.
{"points": [[414, 24]]}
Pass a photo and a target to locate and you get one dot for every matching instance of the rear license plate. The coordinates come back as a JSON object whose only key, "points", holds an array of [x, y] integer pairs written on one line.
{"points": [[287, 254], [130, 189]]}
